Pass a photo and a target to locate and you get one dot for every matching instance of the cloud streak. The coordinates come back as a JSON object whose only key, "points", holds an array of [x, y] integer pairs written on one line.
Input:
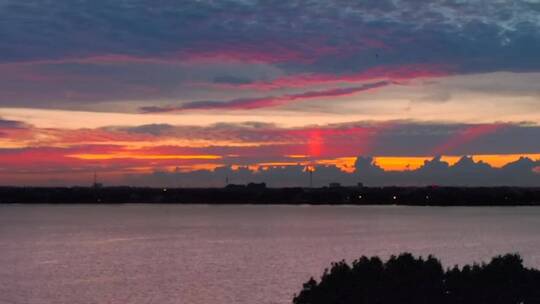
{"points": [[389, 73], [266, 102]]}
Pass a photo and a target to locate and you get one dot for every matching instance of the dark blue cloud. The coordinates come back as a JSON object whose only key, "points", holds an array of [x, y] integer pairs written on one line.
{"points": [[339, 36], [390, 138], [417, 138], [12, 124], [267, 101], [152, 129], [293, 37], [229, 79]]}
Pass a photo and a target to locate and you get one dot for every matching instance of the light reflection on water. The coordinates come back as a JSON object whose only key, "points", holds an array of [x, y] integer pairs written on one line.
{"points": [[229, 254]]}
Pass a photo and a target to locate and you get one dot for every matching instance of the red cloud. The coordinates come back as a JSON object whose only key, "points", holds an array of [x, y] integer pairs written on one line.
{"points": [[400, 73], [262, 52], [107, 150], [465, 136], [306, 51], [264, 102]]}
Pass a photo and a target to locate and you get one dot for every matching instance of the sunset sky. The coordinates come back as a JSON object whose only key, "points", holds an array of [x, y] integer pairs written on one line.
{"points": [[186, 93]]}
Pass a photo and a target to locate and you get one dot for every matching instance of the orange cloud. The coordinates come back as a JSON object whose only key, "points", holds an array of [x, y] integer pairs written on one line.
{"points": [[400, 163], [140, 156], [413, 163]]}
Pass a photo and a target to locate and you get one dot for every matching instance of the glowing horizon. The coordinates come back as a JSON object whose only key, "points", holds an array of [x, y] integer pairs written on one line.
{"points": [[252, 93]]}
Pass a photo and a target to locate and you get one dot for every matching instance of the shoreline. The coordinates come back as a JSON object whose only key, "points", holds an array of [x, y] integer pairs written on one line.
{"points": [[258, 194]]}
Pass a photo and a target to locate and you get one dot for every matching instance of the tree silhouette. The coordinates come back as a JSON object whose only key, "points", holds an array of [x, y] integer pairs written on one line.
{"points": [[405, 279]]}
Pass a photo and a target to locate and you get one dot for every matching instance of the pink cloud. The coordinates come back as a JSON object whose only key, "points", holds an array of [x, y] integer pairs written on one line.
{"points": [[82, 151], [265, 102], [334, 142], [53, 150], [400, 73], [94, 59], [269, 52], [306, 50], [466, 136]]}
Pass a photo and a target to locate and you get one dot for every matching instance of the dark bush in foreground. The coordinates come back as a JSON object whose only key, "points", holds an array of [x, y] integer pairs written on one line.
{"points": [[408, 280]]}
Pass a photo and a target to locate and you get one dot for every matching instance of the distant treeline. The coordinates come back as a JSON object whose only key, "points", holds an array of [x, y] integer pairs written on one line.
{"points": [[408, 280], [260, 194]]}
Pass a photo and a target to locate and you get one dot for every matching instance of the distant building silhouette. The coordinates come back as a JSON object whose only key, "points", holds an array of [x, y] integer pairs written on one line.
{"points": [[96, 184], [256, 186], [234, 186], [310, 171], [250, 186]]}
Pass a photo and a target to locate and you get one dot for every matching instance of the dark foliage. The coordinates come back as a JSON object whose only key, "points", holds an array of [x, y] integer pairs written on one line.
{"points": [[405, 279], [260, 194]]}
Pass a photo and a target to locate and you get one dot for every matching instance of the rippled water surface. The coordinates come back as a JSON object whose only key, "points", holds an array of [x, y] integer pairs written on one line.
{"points": [[229, 254]]}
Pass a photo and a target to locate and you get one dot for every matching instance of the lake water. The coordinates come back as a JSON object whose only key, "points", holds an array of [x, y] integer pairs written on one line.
{"points": [[229, 254]]}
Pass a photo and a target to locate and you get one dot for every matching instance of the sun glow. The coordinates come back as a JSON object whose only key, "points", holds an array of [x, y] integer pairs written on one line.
{"points": [[403, 163]]}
